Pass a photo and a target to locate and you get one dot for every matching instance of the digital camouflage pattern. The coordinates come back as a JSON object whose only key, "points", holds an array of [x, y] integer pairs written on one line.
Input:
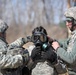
{"points": [[18, 43], [71, 12], [3, 26], [4, 49], [8, 60], [41, 68], [68, 52], [11, 60]]}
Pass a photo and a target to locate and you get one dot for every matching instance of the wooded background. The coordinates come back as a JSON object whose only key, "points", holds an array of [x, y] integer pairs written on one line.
{"points": [[23, 16]]}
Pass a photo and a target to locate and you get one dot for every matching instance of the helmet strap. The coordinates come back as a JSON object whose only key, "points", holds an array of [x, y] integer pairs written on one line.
{"points": [[75, 22]]}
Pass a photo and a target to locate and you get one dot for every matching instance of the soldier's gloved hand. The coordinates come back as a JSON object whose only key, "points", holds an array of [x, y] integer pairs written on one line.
{"points": [[35, 54], [50, 39], [50, 55], [27, 39]]}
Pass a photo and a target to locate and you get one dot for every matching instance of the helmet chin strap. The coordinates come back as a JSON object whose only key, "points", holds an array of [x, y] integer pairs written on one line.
{"points": [[73, 26]]}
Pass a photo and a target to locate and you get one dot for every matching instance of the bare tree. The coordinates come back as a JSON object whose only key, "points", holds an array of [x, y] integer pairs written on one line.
{"points": [[68, 3], [2, 8]]}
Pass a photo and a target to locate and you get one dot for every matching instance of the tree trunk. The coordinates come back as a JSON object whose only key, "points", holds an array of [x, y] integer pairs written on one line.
{"points": [[74, 2], [68, 3]]}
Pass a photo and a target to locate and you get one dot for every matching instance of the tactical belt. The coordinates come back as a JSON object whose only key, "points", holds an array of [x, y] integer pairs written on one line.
{"points": [[40, 60], [10, 70]]}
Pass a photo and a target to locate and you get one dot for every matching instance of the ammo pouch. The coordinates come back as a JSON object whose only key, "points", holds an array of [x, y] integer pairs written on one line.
{"points": [[61, 69], [13, 71], [10, 70]]}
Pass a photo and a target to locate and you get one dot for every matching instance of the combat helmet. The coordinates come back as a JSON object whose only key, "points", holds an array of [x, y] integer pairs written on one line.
{"points": [[3, 26], [70, 14]]}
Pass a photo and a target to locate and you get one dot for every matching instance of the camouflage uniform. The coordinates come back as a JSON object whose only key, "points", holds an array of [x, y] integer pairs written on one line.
{"points": [[9, 63], [67, 51], [40, 68]]}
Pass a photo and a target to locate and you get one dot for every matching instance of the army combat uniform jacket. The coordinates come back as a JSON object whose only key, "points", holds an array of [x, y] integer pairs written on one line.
{"points": [[67, 52], [40, 67], [7, 61]]}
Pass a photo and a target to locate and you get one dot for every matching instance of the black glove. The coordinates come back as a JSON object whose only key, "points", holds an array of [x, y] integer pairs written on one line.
{"points": [[27, 39], [35, 55], [50, 40], [49, 55]]}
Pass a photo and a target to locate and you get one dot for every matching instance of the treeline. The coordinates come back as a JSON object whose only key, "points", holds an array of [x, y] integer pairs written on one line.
{"points": [[32, 12], [23, 15]]}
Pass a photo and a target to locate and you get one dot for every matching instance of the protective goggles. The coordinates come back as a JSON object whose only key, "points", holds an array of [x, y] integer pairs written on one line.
{"points": [[69, 19], [41, 37]]}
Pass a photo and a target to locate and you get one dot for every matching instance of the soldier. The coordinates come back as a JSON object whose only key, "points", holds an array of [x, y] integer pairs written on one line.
{"points": [[42, 53], [66, 49], [11, 64]]}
